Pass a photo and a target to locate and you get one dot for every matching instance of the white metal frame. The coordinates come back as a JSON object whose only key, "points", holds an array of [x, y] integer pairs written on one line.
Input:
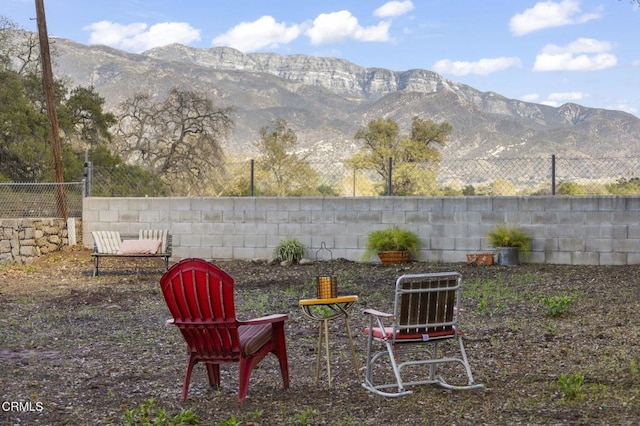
{"points": [[423, 343]]}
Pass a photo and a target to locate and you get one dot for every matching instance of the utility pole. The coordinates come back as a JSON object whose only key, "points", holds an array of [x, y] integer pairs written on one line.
{"points": [[50, 99]]}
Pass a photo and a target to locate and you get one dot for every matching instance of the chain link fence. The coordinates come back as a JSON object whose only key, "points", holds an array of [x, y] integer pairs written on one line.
{"points": [[38, 200], [452, 177]]}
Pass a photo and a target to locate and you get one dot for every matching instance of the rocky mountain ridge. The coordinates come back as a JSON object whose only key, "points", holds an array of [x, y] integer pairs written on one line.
{"points": [[327, 100]]}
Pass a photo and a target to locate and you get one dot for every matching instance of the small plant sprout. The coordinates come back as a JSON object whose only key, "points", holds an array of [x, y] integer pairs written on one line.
{"points": [[556, 305], [571, 386], [148, 414]]}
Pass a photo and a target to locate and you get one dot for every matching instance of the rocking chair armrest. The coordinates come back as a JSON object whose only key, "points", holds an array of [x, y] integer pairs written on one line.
{"points": [[269, 319], [379, 314]]}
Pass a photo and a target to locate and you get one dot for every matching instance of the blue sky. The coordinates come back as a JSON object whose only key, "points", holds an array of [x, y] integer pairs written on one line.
{"points": [[550, 52]]}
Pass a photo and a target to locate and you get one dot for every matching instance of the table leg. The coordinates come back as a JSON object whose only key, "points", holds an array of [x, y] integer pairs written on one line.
{"points": [[318, 351], [353, 351], [326, 343]]}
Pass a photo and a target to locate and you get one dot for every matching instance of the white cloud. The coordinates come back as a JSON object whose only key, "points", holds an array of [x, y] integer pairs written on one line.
{"points": [[138, 37], [566, 96], [584, 54], [531, 97], [264, 32], [549, 14], [481, 67], [340, 26], [626, 108], [559, 98], [636, 63], [393, 8]]}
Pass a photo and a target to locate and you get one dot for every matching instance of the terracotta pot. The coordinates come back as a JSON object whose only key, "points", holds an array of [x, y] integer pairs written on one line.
{"points": [[480, 259], [393, 257]]}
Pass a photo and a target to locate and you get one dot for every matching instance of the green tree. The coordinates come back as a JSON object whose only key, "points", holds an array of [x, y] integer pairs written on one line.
{"points": [[625, 187], [83, 119], [22, 133], [571, 188], [415, 160], [282, 172], [178, 138], [24, 141]]}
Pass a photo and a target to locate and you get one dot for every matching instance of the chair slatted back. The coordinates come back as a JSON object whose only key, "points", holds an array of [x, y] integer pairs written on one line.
{"points": [[156, 234], [106, 242], [426, 303], [199, 296]]}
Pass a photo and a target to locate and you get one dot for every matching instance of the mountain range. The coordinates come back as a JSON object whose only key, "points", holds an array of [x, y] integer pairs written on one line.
{"points": [[326, 100]]}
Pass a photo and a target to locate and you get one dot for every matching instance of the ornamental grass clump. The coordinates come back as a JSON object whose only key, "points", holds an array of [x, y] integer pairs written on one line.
{"points": [[391, 239], [291, 250], [504, 235]]}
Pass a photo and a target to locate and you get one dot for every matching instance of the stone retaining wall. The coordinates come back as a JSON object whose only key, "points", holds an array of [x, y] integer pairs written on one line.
{"points": [[22, 240]]}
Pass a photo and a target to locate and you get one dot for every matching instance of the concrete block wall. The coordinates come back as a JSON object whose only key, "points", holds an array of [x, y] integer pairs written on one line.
{"points": [[598, 230]]}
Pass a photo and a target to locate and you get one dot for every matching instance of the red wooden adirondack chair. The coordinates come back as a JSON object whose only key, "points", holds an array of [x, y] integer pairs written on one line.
{"points": [[200, 298]]}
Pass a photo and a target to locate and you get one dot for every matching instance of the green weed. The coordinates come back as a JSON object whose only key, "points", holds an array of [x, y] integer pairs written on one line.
{"points": [[304, 418], [231, 421], [556, 305], [491, 295], [571, 386], [146, 415]]}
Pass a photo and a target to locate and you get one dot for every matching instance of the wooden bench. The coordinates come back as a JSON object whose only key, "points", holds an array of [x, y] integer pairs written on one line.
{"points": [[150, 243]]}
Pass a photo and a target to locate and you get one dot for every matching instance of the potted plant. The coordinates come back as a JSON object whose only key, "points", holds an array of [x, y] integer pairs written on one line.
{"points": [[392, 245], [509, 241]]}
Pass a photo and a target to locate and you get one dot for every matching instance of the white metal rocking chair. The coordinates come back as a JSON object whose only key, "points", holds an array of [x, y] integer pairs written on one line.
{"points": [[425, 314]]}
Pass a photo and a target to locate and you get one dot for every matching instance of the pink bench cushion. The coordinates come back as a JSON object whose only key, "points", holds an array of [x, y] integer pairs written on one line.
{"points": [[139, 247]]}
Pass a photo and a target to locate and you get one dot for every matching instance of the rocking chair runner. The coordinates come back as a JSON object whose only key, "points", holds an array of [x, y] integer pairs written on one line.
{"points": [[425, 314], [199, 296]]}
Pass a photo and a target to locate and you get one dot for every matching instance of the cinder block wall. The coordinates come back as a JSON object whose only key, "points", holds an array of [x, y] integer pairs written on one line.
{"points": [[598, 230]]}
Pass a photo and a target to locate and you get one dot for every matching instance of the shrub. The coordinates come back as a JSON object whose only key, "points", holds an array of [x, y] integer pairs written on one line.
{"points": [[292, 250], [391, 239], [504, 235]]}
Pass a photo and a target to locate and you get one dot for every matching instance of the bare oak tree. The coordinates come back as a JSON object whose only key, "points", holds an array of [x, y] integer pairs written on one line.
{"points": [[178, 138]]}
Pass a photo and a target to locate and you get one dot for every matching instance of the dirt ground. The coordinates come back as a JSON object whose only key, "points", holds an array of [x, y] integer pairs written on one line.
{"points": [[83, 350]]}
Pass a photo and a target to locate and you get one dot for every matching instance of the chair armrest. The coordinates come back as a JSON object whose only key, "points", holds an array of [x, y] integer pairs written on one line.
{"points": [[265, 320], [378, 314]]}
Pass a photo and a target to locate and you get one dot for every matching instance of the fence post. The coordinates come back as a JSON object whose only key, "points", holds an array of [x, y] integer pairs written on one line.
{"points": [[389, 190], [553, 174], [354, 181], [251, 178], [88, 172]]}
